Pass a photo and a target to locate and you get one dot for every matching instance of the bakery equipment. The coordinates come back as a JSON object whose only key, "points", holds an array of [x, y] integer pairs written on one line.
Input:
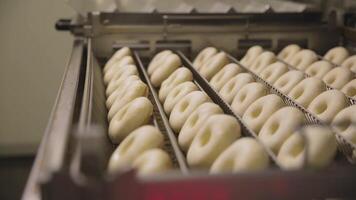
{"points": [[72, 158]]}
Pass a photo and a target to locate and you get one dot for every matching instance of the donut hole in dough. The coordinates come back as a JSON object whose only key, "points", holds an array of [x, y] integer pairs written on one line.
{"points": [[273, 71], [203, 56], [287, 81], [322, 147], [165, 69], [126, 119], [246, 96], [319, 69], [305, 91], [157, 60], [213, 65], [138, 141], [185, 107], [244, 155], [260, 110], [262, 61], [336, 55], [229, 90], [350, 63], [137, 89], [350, 89], [176, 94], [217, 133], [345, 123], [288, 52], [179, 76], [195, 122], [224, 75], [125, 64], [326, 105], [279, 126], [152, 162], [303, 59], [118, 55], [338, 77], [251, 54], [119, 92], [119, 83]]}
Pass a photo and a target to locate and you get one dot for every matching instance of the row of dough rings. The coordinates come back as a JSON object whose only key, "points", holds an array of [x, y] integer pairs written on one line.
{"points": [[127, 92]]}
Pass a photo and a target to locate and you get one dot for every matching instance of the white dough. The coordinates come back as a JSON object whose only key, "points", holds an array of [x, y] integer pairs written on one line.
{"points": [[118, 55], [336, 55], [213, 65], [157, 60], [203, 56], [250, 56], [303, 59], [319, 69], [273, 71], [350, 63], [177, 94], [229, 90], [338, 77], [120, 83], [305, 91], [350, 89], [165, 69], [224, 75], [288, 52], [287, 81], [345, 123], [262, 61], [118, 68], [152, 162]]}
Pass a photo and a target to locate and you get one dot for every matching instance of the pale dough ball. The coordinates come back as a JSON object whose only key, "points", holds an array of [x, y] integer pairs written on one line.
{"points": [[203, 56], [194, 123], [305, 91], [350, 89], [185, 107], [262, 61], [224, 75], [350, 63], [326, 105], [157, 60], [229, 90], [118, 67], [179, 76], [321, 150], [319, 69], [219, 132], [248, 94], [279, 126], [273, 71], [338, 77], [166, 68], [119, 83], [288, 52], [127, 118], [345, 123], [126, 71], [303, 59], [140, 140], [119, 92], [250, 56], [137, 89], [213, 65], [260, 110], [177, 94], [336, 55], [118, 55], [152, 162], [244, 155], [287, 81]]}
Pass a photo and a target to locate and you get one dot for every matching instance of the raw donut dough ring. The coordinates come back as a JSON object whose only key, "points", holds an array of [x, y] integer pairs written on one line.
{"points": [[137, 142], [262, 61], [203, 56], [184, 108], [260, 110], [137, 89], [279, 126], [336, 55], [319, 69], [303, 59], [152, 162], [321, 149], [219, 132], [229, 90], [118, 55], [119, 83], [251, 54], [248, 94], [273, 71], [124, 72], [326, 105], [224, 75], [165, 69], [177, 94], [213, 65], [118, 67], [157, 60], [194, 122], [119, 92], [350, 63], [347, 128], [288, 52], [305, 91], [244, 155], [350, 89], [338, 77], [287, 81], [179, 76]]}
